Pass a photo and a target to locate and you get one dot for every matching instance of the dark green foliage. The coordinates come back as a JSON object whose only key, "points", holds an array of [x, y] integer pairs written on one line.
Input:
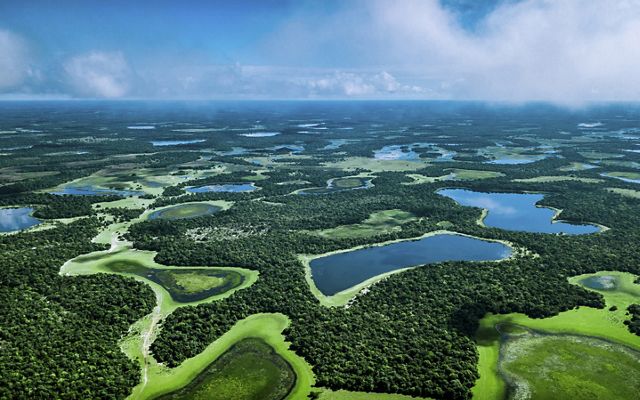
{"points": [[634, 322]]}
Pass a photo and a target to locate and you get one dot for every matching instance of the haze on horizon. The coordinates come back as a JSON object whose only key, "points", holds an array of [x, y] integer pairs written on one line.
{"points": [[563, 51]]}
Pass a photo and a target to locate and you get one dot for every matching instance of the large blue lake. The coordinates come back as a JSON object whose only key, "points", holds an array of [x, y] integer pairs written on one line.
{"points": [[516, 212], [337, 272], [15, 219]]}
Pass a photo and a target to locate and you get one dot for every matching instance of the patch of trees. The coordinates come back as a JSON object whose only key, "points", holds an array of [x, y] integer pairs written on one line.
{"points": [[59, 335], [634, 322]]}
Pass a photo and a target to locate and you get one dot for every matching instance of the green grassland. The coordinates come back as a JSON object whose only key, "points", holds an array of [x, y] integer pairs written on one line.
{"points": [[473, 174], [624, 175], [249, 370], [266, 327], [596, 155], [635, 194], [420, 179], [378, 223], [585, 321], [551, 366], [559, 178], [182, 211], [575, 166], [327, 394], [375, 165]]}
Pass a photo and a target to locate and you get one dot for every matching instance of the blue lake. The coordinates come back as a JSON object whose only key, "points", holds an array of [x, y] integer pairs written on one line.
{"points": [[516, 212], [94, 191], [396, 152], [337, 272], [16, 219], [227, 187]]}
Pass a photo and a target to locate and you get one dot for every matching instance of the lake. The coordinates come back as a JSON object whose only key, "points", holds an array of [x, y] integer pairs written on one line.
{"points": [[161, 143], [516, 212], [16, 219], [337, 272], [95, 191], [222, 188]]}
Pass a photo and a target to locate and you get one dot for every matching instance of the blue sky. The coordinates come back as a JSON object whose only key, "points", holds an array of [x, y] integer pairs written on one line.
{"points": [[566, 51]]}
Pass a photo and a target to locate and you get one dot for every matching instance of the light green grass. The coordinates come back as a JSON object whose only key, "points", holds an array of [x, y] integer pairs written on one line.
{"points": [[420, 179], [597, 155], [473, 174], [328, 394], [635, 194], [625, 175], [598, 323], [575, 166], [560, 178], [562, 367], [375, 165], [268, 327], [378, 223]]}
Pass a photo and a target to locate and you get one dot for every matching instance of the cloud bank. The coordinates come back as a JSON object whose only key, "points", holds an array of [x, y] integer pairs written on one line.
{"points": [[564, 51], [14, 59], [98, 74]]}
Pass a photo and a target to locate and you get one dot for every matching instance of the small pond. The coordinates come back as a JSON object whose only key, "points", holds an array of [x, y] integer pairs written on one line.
{"points": [[16, 219], [337, 272], [516, 212], [223, 188], [603, 282]]}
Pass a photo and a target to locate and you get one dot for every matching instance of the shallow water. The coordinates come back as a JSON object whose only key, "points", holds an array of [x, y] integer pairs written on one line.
{"points": [[227, 187], [334, 273], [94, 191], [516, 212], [161, 143], [16, 219]]}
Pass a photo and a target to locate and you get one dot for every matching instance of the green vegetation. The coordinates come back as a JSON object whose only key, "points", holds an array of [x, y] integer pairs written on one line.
{"points": [[576, 166], [187, 210], [265, 327], [249, 370], [327, 394], [473, 174], [545, 367], [625, 175], [375, 165], [634, 194], [561, 178], [605, 324], [378, 223]]}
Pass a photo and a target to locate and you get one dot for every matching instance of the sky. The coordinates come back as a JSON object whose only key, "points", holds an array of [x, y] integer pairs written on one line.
{"points": [[562, 51]]}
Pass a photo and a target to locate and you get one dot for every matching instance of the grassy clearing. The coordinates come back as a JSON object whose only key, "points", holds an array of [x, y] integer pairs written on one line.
{"points": [[576, 166], [420, 179], [473, 174], [183, 211], [559, 178], [267, 327], [635, 194], [550, 366], [378, 223], [585, 321], [596, 155], [249, 370], [375, 165], [624, 175]]}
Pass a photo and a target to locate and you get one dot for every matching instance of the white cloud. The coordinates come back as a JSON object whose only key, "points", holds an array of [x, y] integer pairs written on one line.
{"points": [[14, 60], [99, 74]]}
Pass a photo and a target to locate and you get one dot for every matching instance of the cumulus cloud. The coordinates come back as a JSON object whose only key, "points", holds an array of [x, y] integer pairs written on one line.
{"points": [[99, 74], [14, 60], [566, 51]]}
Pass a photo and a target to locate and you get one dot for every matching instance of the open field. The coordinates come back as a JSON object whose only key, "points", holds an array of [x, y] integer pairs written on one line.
{"points": [[560, 178], [376, 165], [267, 327], [597, 323], [378, 223], [249, 370], [634, 194], [473, 174]]}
